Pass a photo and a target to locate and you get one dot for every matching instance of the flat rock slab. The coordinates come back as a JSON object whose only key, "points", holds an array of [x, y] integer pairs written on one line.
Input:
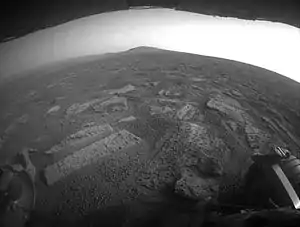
{"points": [[228, 106], [82, 138], [90, 154]]}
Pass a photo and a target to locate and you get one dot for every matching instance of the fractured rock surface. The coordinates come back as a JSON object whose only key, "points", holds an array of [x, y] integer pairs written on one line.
{"points": [[82, 138], [89, 154]]}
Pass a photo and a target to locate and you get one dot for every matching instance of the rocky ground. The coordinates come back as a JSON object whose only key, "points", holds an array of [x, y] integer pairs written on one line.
{"points": [[111, 136]]}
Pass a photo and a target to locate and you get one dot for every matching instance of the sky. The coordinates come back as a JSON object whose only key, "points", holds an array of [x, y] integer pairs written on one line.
{"points": [[273, 46]]}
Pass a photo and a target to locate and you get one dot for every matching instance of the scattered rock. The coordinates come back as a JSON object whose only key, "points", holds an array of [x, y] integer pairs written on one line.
{"points": [[90, 154], [127, 119], [193, 187], [53, 109], [126, 89]]}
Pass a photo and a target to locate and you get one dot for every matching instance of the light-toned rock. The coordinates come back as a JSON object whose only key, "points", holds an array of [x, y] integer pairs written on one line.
{"points": [[196, 79], [161, 92], [53, 109], [90, 154], [124, 90], [128, 119], [82, 138], [228, 106]]}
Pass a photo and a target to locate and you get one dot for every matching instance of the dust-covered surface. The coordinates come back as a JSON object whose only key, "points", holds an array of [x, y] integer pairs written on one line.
{"points": [[111, 133]]}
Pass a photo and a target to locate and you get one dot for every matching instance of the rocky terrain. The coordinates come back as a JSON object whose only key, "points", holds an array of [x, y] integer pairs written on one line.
{"points": [[114, 134]]}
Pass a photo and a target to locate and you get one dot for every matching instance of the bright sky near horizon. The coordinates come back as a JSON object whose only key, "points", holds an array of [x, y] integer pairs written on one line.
{"points": [[274, 46]]}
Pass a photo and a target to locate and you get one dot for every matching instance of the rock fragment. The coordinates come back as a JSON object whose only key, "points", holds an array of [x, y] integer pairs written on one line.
{"points": [[124, 90], [128, 119], [53, 109], [186, 113]]}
